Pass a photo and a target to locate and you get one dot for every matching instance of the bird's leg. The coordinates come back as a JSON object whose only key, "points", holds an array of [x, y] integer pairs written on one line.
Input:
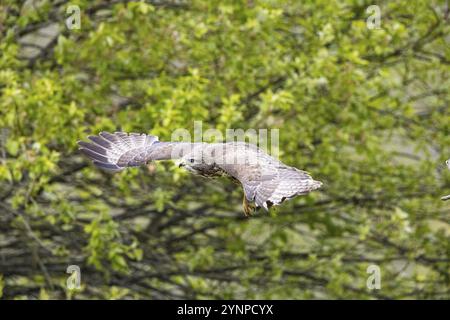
{"points": [[248, 208]]}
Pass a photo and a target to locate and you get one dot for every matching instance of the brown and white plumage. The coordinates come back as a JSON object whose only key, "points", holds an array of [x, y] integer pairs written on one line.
{"points": [[266, 181]]}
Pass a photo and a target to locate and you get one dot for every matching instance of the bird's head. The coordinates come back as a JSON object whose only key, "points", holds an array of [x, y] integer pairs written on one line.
{"points": [[442, 166], [194, 162], [190, 163]]}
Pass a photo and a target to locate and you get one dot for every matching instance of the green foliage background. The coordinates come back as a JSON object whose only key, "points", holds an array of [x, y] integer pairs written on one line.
{"points": [[365, 111]]}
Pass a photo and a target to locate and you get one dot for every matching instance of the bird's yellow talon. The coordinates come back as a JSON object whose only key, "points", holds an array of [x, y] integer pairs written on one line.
{"points": [[248, 208]]}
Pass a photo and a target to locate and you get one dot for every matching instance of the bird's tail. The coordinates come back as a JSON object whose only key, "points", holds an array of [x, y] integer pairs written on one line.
{"points": [[116, 151]]}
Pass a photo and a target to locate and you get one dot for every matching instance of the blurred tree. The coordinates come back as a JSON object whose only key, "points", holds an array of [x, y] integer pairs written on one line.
{"points": [[365, 110]]}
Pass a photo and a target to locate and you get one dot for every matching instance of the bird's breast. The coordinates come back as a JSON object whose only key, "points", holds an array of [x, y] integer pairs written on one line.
{"points": [[213, 172]]}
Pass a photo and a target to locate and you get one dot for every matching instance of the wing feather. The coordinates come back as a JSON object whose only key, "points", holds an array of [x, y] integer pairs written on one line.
{"points": [[116, 151], [267, 181]]}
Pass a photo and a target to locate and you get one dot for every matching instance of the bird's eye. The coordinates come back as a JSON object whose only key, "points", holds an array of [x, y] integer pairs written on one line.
{"points": [[191, 160]]}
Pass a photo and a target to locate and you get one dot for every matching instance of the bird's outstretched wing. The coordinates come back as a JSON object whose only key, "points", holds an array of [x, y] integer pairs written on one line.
{"points": [[116, 151], [267, 181]]}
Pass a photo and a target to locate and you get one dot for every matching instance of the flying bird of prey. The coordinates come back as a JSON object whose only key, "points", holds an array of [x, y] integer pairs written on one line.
{"points": [[265, 180]]}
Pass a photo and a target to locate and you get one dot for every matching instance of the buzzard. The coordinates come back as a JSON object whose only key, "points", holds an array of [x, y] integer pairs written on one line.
{"points": [[265, 180]]}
